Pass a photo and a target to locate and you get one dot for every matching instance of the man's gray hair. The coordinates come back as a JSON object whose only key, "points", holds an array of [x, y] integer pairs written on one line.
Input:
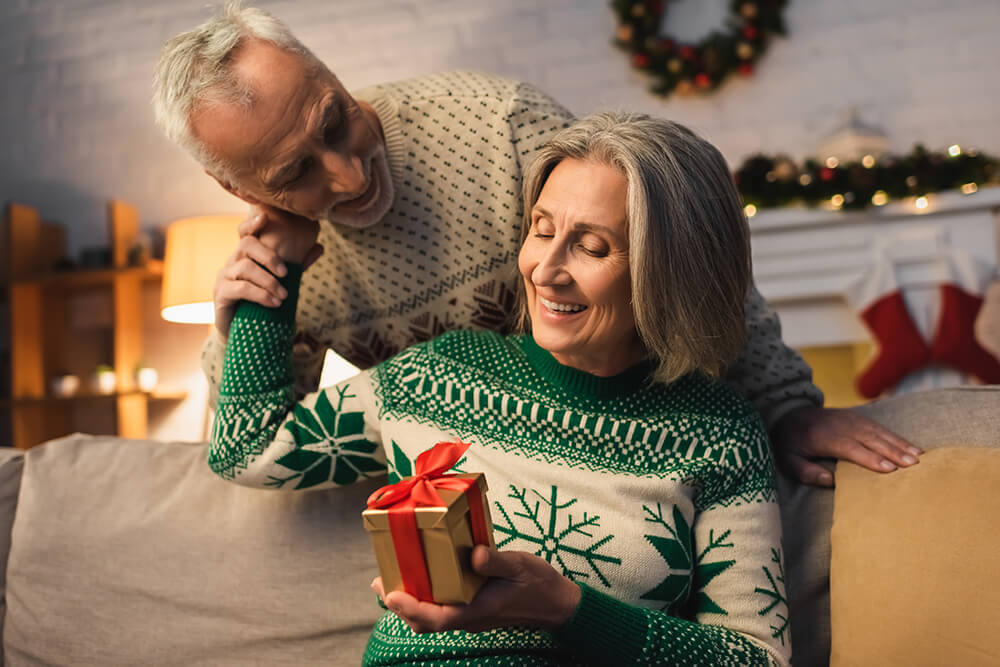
{"points": [[689, 244], [194, 69]]}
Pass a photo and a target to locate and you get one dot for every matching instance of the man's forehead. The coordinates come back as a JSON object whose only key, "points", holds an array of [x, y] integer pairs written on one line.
{"points": [[280, 83]]}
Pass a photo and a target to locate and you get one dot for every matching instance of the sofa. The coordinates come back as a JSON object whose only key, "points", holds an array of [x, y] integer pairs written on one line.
{"points": [[126, 552]]}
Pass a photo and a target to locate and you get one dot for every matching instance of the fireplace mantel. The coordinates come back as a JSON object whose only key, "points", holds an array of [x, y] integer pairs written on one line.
{"points": [[804, 259]]}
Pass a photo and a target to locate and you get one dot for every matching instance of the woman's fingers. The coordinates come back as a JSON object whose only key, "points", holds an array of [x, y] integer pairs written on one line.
{"points": [[251, 247], [426, 616], [246, 270]]}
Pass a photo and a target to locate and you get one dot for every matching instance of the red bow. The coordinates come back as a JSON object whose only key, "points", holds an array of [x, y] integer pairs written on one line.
{"points": [[420, 490]]}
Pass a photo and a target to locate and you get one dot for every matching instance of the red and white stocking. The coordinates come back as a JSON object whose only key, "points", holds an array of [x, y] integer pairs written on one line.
{"points": [[901, 349], [955, 343]]}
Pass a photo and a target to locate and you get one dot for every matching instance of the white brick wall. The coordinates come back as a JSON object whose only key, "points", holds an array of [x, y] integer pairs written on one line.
{"points": [[76, 126]]}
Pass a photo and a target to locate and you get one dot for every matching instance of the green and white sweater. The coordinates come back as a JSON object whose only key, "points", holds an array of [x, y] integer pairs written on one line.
{"points": [[443, 257], [658, 500]]}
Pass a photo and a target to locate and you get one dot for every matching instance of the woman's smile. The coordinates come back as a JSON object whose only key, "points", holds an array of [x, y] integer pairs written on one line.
{"points": [[561, 308]]}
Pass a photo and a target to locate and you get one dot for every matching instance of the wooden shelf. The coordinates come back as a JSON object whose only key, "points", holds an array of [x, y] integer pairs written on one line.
{"points": [[42, 343], [86, 278], [154, 396]]}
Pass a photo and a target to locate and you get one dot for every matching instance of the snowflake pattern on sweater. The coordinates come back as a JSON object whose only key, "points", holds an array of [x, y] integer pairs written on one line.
{"points": [[658, 500]]}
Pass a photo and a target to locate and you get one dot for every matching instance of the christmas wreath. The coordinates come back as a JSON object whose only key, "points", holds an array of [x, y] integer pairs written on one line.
{"points": [[696, 67]]}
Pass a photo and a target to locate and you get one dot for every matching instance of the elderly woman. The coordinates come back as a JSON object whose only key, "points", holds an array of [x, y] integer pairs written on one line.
{"points": [[632, 492]]}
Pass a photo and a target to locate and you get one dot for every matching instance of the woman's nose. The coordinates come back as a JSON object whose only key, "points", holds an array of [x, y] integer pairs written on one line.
{"points": [[346, 173], [551, 268]]}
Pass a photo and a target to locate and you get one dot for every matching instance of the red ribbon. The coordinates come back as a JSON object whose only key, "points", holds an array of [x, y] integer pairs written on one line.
{"points": [[420, 490]]}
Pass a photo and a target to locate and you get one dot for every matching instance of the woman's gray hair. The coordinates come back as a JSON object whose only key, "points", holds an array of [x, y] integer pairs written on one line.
{"points": [[194, 69], [689, 244]]}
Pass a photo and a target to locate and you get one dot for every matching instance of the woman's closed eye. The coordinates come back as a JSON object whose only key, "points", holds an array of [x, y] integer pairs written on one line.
{"points": [[542, 229], [594, 250]]}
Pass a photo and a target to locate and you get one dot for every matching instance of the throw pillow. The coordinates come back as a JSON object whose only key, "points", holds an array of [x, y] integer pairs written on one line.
{"points": [[914, 567]]}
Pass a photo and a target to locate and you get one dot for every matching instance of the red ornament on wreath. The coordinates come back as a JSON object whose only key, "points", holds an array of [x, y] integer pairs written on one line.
{"points": [[639, 34]]}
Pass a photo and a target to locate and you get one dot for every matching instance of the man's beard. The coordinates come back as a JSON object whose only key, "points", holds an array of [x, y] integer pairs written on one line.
{"points": [[380, 204]]}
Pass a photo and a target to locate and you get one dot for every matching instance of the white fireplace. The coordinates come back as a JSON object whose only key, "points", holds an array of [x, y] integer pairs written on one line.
{"points": [[805, 260]]}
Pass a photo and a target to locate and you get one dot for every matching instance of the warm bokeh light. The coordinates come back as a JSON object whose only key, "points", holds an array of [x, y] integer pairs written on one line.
{"points": [[880, 198], [196, 249], [969, 188], [921, 203], [954, 150], [750, 210]]}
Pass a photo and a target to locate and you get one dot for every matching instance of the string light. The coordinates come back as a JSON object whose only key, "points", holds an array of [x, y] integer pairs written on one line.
{"points": [[921, 203], [836, 201], [750, 210], [954, 150], [969, 188], [805, 179], [880, 198], [832, 162], [868, 161]]}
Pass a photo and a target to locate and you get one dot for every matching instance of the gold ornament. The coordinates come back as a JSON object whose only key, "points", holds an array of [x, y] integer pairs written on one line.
{"points": [[744, 51], [674, 65], [748, 10], [625, 33]]}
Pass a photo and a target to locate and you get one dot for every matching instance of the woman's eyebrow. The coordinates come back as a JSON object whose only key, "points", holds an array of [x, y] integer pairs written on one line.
{"points": [[581, 225]]}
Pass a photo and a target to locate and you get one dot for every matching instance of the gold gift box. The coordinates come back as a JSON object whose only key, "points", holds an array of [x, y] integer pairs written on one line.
{"points": [[446, 536]]}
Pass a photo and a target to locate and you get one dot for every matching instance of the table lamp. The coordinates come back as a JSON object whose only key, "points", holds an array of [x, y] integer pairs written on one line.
{"points": [[196, 248]]}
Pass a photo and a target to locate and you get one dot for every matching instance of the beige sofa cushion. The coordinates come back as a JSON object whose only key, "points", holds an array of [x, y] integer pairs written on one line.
{"points": [[133, 553], [914, 574], [11, 463], [970, 415]]}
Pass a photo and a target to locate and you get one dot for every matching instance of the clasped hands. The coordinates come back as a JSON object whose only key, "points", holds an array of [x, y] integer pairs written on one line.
{"points": [[268, 238], [523, 590]]}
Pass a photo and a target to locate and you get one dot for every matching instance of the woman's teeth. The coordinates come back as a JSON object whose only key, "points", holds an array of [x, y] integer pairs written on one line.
{"points": [[561, 307]]}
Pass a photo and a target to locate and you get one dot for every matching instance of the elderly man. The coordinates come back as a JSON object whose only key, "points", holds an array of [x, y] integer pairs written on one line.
{"points": [[413, 192]]}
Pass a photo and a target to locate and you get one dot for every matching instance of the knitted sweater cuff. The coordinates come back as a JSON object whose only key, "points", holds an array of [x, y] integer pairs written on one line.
{"points": [[775, 413], [284, 312], [606, 630]]}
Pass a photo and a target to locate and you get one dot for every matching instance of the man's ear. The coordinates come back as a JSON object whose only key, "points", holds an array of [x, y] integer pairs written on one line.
{"points": [[233, 190]]}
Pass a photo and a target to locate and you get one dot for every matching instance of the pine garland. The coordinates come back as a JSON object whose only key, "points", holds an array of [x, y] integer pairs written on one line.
{"points": [[768, 182], [701, 67]]}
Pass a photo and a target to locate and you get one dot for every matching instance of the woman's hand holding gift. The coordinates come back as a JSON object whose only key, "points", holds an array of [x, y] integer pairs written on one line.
{"points": [[523, 590]]}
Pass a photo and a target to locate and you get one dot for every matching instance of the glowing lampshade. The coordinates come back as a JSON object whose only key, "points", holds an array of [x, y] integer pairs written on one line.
{"points": [[196, 249]]}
